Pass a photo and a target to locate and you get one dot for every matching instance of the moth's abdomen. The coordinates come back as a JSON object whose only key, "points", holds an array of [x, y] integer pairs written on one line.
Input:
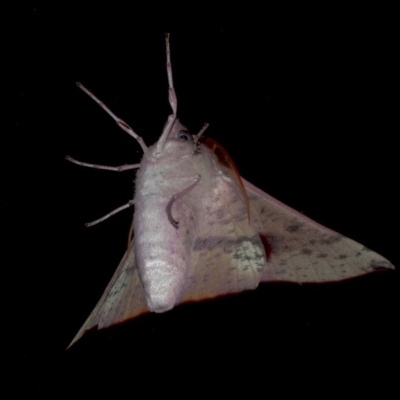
{"points": [[163, 250]]}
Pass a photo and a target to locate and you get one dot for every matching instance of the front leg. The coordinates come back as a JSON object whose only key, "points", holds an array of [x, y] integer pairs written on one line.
{"points": [[119, 168]]}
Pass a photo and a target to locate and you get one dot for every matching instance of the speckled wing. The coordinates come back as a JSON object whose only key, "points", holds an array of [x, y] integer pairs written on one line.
{"points": [[227, 254], [301, 250], [123, 299]]}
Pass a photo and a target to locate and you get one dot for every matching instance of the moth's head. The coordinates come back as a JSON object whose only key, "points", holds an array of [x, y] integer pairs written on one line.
{"points": [[177, 129], [179, 138], [181, 145], [180, 132]]}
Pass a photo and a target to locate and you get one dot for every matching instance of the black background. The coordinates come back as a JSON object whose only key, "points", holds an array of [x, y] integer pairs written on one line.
{"points": [[304, 101]]}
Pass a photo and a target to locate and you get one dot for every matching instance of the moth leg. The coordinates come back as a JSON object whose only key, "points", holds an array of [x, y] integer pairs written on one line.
{"points": [[130, 203], [200, 134], [177, 196], [197, 137], [173, 101], [120, 168], [122, 124]]}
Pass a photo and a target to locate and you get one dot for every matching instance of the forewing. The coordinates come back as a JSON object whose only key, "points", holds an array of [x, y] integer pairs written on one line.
{"points": [[123, 298], [301, 250], [227, 254]]}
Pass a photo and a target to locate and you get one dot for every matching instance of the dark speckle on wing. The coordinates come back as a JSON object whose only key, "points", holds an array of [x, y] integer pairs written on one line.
{"points": [[331, 239], [306, 251]]}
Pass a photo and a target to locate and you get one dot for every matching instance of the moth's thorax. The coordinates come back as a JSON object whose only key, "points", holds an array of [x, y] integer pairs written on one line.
{"points": [[162, 250]]}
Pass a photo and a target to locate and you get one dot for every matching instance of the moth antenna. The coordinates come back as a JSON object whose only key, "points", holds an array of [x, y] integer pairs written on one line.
{"points": [[173, 101], [177, 196], [130, 203], [122, 124], [120, 168], [200, 134]]}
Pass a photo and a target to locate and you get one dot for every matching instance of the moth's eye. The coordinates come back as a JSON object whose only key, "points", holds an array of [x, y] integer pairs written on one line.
{"points": [[184, 135]]}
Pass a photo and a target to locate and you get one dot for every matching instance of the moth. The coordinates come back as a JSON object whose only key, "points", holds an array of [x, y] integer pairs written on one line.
{"points": [[201, 231]]}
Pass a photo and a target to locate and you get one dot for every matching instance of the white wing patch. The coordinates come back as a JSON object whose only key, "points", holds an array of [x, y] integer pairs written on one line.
{"points": [[248, 255]]}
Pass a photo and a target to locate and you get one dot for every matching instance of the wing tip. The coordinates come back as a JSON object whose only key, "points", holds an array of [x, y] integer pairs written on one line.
{"points": [[99, 326], [382, 265], [81, 332]]}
